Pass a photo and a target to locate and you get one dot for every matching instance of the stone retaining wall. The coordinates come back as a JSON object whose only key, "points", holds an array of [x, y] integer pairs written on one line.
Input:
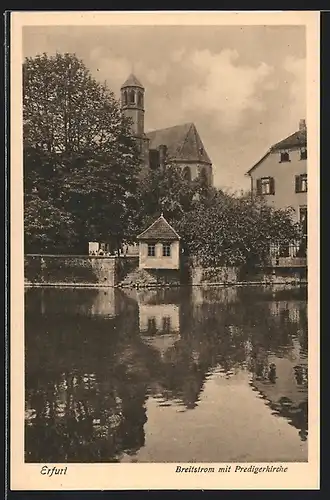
{"points": [[83, 270], [69, 269]]}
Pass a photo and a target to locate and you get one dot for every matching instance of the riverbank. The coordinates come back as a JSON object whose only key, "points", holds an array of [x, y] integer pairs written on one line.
{"points": [[221, 285], [83, 271]]}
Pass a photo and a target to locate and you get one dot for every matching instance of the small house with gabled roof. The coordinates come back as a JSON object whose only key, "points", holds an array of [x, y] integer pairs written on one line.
{"points": [[159, 246]]}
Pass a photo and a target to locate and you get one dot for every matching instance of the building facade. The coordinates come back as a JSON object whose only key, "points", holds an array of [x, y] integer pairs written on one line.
{"points": [[180, 145], [280, 176], [159, 246]]}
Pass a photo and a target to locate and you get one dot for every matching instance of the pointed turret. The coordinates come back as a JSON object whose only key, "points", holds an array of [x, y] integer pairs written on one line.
{"points": [[132, 81], [132, 103]]}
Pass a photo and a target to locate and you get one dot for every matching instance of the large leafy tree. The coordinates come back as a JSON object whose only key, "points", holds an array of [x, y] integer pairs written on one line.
{"points": [[166, 190], [78, 152], [47, 227], [227, 230]]}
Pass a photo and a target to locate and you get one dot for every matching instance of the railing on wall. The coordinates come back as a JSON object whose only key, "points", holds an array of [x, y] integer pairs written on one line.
{"points": [[288, 262], [291, 255]]}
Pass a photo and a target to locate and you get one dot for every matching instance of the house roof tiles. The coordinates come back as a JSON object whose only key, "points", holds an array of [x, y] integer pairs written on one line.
{"points": [[296, 140], [160, 229]]}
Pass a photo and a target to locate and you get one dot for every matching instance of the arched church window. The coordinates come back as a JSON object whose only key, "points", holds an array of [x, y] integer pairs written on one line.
{"points": [[203, 175], [187, 174], [131, 97], [140, 99], [125, 97]]}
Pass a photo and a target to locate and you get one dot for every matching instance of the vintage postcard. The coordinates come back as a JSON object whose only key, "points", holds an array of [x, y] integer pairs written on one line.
{"points": [[164, 250]]}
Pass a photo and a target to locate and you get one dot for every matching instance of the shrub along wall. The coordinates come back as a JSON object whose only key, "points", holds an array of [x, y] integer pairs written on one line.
{"points": [[69, 269]]}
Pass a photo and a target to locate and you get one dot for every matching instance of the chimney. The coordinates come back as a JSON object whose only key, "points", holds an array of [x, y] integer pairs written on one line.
{"points": [[302, 124]]}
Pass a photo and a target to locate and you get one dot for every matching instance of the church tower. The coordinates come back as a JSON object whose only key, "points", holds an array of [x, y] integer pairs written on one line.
{"points": [[132, 103]]}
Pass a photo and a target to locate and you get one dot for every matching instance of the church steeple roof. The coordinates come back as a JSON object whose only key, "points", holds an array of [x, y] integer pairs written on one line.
{"points": [[132, 81], [183, 143]]}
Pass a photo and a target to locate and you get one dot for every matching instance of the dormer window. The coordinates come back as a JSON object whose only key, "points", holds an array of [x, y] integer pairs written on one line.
{"points": [[303, 154], [284, 157]]}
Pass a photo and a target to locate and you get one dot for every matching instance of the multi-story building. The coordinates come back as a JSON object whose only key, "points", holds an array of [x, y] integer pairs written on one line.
{"points": [[280, 176]]}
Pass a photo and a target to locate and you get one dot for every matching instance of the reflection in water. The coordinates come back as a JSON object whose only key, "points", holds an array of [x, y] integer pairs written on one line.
{"points": [[166, 375]]}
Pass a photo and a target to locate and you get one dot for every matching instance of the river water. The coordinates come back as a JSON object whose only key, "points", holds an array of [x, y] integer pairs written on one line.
{"points": [[171, 375]]}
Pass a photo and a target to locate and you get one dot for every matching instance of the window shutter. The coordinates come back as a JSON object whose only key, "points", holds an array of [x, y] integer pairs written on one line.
{"points": [[272, 185], [297, 183], [258, 186]]}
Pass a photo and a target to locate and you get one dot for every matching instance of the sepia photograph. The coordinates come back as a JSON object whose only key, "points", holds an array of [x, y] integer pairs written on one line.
{"points": [[165, 245]]}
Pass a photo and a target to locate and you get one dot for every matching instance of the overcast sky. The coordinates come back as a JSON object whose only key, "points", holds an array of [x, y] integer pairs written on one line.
{"points": [[243, 87]]}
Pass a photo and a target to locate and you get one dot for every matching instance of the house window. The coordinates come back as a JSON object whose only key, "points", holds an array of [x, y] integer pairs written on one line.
{"points": [[125, 98], [166, 250], [274, 249], [303, 154], [151, 250], [284, 250], [302, 248], [303, 219], [302, 252], [166, 324], [266, 185], [152, 327], [301, 183], [284, 156]]}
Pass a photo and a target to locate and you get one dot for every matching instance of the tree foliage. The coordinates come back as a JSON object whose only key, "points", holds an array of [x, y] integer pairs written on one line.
{"points": [[166, 190], [46, 226], [227, 230], [217, 228], [78, 152]]}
